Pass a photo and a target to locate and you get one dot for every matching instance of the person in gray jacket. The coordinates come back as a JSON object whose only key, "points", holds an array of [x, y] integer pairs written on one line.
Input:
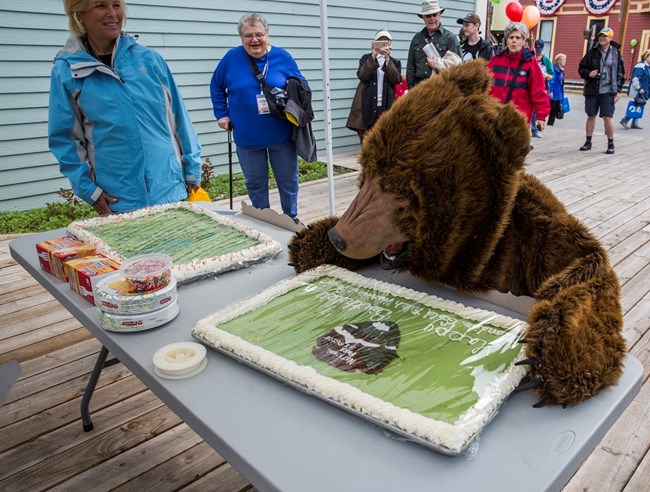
{"points": [[432, 39], [603, 71]]}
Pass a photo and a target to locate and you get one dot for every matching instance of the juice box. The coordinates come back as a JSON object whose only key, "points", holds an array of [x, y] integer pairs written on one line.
{"points": [[59, 257], [45, 249], [81, 270]]}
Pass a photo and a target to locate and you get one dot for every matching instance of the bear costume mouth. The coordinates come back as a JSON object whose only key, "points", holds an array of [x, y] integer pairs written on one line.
{"points": [[394, 256]]}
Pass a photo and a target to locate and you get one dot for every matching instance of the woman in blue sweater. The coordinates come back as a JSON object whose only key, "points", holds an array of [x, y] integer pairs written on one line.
{"points": [[238, 103]]}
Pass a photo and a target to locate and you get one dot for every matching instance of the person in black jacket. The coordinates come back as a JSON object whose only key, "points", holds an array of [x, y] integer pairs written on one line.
{"points": [[378, 73], [300, 113], [473, 45], [603, 70]]}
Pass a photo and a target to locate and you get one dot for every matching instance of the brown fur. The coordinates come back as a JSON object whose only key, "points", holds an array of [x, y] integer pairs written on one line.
{"points": [[446, 164]]}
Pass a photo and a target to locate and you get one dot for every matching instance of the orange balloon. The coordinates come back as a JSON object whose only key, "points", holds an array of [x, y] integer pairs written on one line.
{"points": [[531, 16]]}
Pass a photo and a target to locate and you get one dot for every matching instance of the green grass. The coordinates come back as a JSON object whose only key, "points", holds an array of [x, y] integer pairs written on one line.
{"points": [[52, 216], [60, 214]]}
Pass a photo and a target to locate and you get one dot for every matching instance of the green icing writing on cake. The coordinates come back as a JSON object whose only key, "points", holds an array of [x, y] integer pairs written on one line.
{"points": [[182, 234], [442, 359]]}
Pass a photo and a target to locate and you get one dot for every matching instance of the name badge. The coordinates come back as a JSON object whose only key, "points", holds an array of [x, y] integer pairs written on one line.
{"points": [[262, 104]]}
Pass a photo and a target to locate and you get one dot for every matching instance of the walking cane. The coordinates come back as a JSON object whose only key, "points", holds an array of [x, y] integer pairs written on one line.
{"points": [[230, 128]]}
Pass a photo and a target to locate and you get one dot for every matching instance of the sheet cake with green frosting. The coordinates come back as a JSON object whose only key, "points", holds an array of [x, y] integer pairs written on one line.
{"points": [[427, 368], [200, 241]]}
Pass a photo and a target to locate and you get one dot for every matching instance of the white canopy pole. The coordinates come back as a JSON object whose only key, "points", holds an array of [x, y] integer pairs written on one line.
{"points": [[325, 60]]}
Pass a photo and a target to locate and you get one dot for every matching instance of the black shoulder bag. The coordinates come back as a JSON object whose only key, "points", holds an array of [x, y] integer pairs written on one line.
{"points": [[275, 97], [511, 85]]}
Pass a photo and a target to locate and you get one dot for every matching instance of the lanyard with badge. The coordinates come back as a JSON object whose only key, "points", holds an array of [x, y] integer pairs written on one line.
{"points": [[262, 103]]}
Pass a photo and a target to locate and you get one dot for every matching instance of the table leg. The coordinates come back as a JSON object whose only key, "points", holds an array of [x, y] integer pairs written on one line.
{"points": [[90, 388]]}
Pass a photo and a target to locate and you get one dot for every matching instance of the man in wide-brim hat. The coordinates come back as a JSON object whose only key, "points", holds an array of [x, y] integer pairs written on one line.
{"points": [[429, 8], [419, 66]]}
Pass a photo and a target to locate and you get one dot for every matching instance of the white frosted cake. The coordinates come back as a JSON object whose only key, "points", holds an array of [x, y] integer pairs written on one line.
{"points": [[201, 242], [429, 369]]}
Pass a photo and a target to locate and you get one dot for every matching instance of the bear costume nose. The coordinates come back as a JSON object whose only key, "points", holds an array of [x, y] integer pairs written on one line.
{"points": [[336, 240]]}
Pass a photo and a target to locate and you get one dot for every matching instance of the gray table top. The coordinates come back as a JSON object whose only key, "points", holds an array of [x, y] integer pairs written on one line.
{"points": [[282, 439]]}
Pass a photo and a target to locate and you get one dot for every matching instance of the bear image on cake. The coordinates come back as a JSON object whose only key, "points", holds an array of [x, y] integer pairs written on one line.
{"points": [[368, 346], [443, 195]]}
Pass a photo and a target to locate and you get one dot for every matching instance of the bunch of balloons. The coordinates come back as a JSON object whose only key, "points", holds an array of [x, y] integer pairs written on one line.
{"points": [[529, 15]]}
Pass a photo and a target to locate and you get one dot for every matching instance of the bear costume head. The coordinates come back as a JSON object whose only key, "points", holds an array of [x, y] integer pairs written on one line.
{"points": [[443, 195], [447, 165]]}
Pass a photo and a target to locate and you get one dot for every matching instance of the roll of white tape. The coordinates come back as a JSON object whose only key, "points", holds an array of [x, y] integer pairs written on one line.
{"points": [[180, 360]]}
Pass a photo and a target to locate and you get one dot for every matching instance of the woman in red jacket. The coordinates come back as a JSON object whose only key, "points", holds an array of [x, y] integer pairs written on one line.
{"points": [[518, 77]]}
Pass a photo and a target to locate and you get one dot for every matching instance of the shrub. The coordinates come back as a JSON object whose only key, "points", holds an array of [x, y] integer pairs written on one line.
{"points": [[60, 214]]}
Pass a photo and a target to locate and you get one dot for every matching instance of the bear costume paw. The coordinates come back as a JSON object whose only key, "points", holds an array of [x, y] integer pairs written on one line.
{"points": [[574, 344], [311, 247]]}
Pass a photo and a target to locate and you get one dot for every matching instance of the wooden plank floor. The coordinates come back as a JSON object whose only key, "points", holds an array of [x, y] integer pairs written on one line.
{"points": [[139, 444]]}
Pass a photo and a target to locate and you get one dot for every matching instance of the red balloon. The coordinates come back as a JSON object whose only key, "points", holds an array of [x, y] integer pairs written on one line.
{"points": [[514, 11]]}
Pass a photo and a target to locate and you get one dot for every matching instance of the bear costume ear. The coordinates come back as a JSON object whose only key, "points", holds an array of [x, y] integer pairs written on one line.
{"points": [[514, 137], [471, 77]]}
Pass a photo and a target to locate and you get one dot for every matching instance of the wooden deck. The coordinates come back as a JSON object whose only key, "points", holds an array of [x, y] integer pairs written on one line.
{"points": [[139, 444]]}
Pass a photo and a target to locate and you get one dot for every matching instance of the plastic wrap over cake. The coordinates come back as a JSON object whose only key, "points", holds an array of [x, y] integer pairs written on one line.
{"points": [[429, 369], [201, 242]]}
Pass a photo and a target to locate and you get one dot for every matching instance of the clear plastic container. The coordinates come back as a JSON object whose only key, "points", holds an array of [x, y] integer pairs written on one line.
{"points": [[147, 273]]}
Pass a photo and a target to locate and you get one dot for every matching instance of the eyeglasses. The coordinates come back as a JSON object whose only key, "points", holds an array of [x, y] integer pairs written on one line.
{"points": [[250, 36]]}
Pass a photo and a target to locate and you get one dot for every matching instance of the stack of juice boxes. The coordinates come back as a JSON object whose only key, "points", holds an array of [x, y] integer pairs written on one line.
{"points": [[73, 261]]}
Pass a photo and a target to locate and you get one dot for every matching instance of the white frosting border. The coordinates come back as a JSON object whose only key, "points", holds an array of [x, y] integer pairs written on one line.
{"points": [[201, 267], [451, 439]]}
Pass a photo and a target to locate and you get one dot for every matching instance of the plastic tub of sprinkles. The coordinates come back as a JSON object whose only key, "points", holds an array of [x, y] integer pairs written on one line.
{"points": [[147, 273]]}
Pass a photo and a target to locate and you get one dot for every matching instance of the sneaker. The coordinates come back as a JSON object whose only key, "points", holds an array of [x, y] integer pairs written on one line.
{"points": [[536, 134], [624, 124], [610, 149], [636, 128], [586, 146]]}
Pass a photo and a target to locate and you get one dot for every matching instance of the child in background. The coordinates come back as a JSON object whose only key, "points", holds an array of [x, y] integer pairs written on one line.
{"points": [[556, 89]]}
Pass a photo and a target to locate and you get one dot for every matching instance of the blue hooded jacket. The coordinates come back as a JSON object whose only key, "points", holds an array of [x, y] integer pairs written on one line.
{"points": [[556, 84], [122, 130]]}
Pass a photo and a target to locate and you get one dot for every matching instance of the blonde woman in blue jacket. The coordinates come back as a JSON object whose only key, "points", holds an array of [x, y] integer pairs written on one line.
{"points": [[117, 122]]}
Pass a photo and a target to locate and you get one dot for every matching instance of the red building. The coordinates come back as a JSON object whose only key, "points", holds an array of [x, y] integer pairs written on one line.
{"points": [[570, 26]]}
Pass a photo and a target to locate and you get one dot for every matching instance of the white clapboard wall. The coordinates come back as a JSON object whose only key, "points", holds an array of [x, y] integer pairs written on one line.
{"points": [[192, 35]]}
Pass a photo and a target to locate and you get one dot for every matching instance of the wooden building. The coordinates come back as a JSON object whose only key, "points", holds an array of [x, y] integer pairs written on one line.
{"points": [[192, 35], [570, 26]]}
